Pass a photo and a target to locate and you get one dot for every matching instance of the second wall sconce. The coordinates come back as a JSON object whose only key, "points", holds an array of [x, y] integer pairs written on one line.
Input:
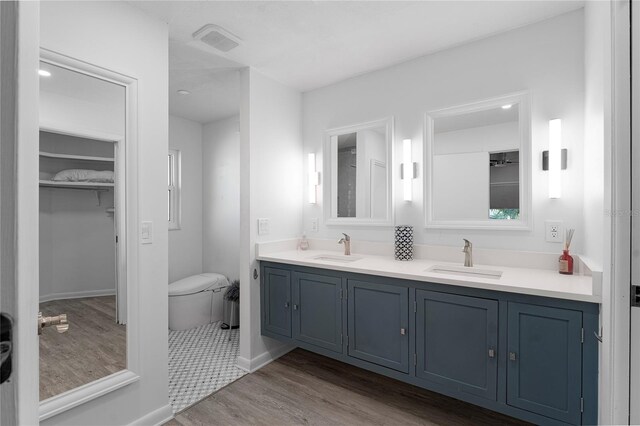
{"points": [[408, 170], [555, 159], [313, 178]]}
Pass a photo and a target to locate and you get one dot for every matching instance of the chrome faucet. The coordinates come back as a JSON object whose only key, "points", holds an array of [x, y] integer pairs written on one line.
{"points": [[346, 240], [468, 253]]}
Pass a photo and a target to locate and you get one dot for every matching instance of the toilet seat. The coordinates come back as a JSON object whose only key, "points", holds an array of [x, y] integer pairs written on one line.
{"points": [[197, 283]]}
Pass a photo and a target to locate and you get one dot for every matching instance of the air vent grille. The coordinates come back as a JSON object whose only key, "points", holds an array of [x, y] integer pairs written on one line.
{"points": [[217, 37]]}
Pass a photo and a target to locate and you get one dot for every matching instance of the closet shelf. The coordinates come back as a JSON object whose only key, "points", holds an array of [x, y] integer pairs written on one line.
{"points": [[76, 185], [76, 157]]}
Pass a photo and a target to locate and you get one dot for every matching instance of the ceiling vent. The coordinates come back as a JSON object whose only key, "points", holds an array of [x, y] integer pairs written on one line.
{"points": [[217, 37]]}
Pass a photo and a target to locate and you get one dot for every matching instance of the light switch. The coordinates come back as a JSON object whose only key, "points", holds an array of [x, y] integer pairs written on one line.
{"points": [[146, 232], [263, 226]]}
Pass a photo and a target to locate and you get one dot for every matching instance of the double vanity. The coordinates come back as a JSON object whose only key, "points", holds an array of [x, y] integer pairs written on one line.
{"points": [[520, 340]]}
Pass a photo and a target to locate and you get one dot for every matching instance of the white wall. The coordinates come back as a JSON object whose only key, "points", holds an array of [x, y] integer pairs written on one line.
{"points": [[221, 197], [77, 244], [121, 38], [271, 187], [546, 58], [185, 244], [597, 124]]}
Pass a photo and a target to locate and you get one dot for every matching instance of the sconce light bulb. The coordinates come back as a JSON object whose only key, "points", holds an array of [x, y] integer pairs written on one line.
{"points": [[555, 158], [407, 166]]}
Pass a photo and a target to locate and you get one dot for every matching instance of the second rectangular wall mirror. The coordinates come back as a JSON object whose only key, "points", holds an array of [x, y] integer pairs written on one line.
{"points": [[478, 165], [358, 185]]}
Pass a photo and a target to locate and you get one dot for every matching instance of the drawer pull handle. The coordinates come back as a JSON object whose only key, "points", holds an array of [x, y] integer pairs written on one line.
{"points": [[492, 353], [512, 356]]}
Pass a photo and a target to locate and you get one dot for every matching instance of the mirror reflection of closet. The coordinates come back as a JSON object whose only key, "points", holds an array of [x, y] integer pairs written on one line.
{"points": [[81, 272]]}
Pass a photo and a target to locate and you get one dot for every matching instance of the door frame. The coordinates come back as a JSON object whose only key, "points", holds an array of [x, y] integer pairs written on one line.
{"points": [[128, 230]]}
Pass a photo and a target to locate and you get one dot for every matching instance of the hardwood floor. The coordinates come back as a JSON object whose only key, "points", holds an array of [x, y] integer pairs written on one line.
{"points": [[92, 348], [305, 388]]}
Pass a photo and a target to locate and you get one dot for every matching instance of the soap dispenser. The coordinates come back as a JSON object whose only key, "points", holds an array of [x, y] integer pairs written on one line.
{"points": [[303, 244]]}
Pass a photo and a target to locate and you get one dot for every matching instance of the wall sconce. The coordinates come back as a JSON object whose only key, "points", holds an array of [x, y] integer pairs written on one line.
{"points": [[407, 170], [313, 178], [555, 159]]}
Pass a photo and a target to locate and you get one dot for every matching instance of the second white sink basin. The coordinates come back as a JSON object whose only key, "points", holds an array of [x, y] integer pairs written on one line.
{"points": [[337, 258], [466, 271]]}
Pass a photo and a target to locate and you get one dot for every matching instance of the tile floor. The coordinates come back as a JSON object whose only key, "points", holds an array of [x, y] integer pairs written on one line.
{"points": [[202, 360]]}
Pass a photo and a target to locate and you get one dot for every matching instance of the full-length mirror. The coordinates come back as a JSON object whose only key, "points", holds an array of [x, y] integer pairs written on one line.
{"points": [[359, 171], [82, 331], [478, 174]]}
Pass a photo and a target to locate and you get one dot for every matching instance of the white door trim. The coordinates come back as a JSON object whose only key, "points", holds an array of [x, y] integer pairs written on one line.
{"points": [[127, 205]]}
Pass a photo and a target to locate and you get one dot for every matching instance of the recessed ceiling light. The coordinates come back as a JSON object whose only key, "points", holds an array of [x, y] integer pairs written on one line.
{"points": [[184, 92], [44, 73], [506, 106]]}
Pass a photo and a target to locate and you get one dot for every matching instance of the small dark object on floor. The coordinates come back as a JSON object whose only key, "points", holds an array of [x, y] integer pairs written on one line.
{"points": [[231, 306]]}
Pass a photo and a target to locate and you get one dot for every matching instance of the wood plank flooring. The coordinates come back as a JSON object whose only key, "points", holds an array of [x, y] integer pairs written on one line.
{"points": [[305, 388], [92, 348]]}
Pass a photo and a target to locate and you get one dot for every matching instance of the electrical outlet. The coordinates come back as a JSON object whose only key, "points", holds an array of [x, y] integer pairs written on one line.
{"points": [[314, 224], [554, 231], [263, 226]]}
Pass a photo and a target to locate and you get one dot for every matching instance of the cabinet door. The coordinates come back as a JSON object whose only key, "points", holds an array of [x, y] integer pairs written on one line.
{"points": [[457, 342], [276, 301], [544, 364], [378, 324], [317, 310]]}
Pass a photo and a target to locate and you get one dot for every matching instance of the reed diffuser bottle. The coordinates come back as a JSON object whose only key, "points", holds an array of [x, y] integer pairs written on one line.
{"points": [[565, 262]]}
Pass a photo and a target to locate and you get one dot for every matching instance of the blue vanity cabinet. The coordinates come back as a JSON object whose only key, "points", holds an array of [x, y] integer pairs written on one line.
{"points": [[531, 357], [544, 364], [378, 318], [317, 310], [457, 342], [276, 301]]}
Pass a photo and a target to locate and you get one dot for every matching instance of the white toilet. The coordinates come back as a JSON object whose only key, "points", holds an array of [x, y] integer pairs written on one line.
{"points": [[196, 300]]}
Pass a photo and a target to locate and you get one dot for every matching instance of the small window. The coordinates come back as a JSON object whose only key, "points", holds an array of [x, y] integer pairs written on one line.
{"points": [[174, 189]]}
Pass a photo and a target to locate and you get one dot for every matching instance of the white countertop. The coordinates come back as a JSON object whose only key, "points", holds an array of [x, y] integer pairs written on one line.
{"points": [[537, 282]]}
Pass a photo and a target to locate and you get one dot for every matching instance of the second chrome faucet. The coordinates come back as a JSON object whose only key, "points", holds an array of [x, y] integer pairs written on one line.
{"points": [[346, 240]]}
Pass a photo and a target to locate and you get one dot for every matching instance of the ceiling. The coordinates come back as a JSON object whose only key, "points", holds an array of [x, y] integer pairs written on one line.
{"points": [[311, 44]]}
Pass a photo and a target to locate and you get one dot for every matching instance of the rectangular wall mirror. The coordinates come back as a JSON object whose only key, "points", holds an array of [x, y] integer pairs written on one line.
{"points": [[359, 185], [478, 165], [81, 229]]}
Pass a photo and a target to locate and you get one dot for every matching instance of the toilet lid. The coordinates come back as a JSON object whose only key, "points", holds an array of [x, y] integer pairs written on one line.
{"points": [[197, 283]]}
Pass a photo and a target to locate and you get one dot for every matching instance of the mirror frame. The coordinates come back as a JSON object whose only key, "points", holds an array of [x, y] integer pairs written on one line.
{"points": [[330, 183], [524, 123], [128, 242]]}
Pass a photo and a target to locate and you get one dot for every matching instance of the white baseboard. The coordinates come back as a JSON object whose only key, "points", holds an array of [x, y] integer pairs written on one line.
{"points": [[256, 363], [156, 417], [77, 295]]}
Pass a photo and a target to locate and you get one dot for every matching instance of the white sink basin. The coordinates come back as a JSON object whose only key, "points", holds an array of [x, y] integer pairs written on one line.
{"points": [[466, 271], [337, 258]]}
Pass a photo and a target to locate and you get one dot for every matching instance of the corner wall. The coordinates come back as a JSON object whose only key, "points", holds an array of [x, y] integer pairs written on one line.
{"points": [[271, 186], [185, 244], [221, 197]]}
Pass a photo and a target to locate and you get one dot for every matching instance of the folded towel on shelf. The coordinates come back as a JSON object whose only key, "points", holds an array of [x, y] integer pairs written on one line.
{"points": [[82, 175]]}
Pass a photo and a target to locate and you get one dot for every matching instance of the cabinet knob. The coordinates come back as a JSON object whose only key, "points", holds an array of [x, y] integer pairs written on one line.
{"points": [[286, 304], [492, 353], [403, 331], [512, 356], [295, 307]]}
